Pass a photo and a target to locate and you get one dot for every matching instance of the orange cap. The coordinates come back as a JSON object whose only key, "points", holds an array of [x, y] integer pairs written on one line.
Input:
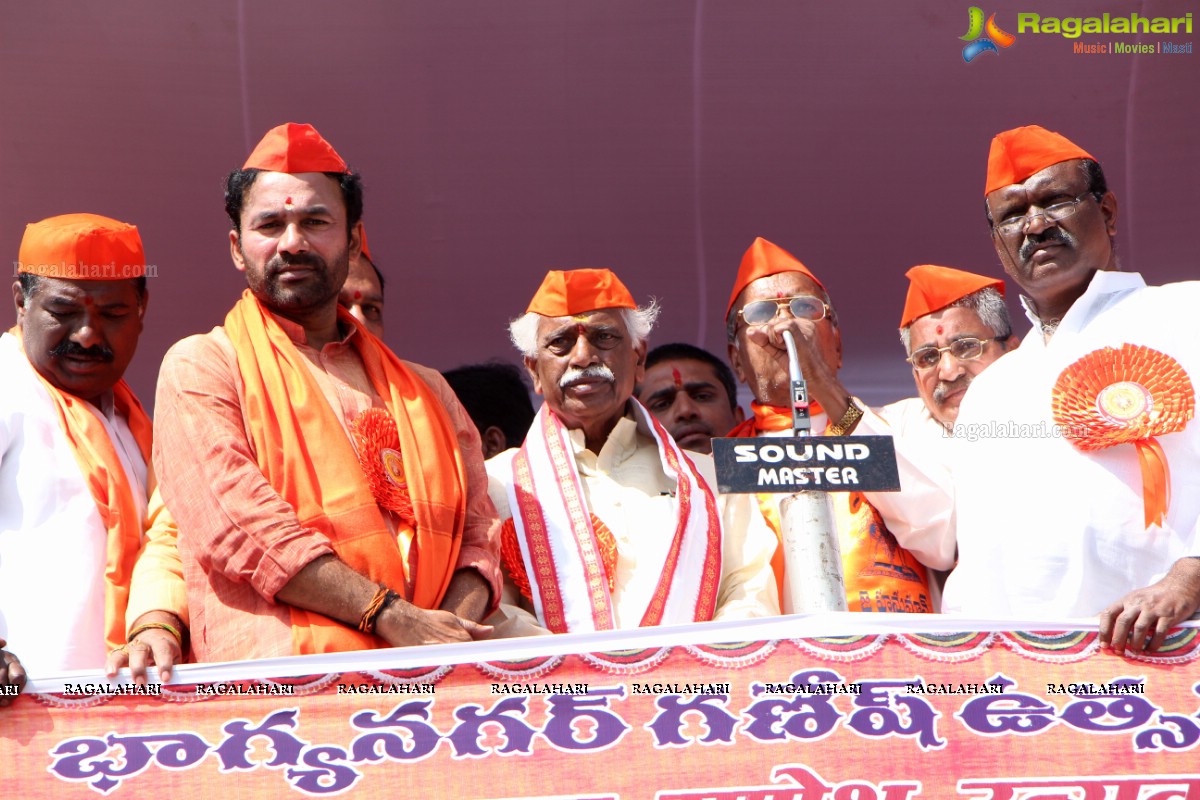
{"points": [[763, 259], [567, 292], [82, 247], [933, 288], [366, 253], [294, 147], [1017, 154]]}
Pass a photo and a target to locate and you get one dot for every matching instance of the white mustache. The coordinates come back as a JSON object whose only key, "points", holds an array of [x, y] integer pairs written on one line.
{"points": [[575, 375], [943, 388]]}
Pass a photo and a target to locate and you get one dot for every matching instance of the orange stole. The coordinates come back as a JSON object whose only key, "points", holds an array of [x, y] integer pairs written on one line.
{"points": [[880, 575], [109, 486], [304, 453]]}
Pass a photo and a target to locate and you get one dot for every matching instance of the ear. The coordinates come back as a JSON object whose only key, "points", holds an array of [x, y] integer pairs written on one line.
{"points": [[235, 251], [735, 361], [19, 301], [739, 416], [494, 442], [837, 341], [531, 368], [639, 373], [356, 234], [1108, 207]]}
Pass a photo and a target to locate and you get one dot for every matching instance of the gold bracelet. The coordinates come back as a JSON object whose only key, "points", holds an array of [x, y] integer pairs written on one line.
{"points": [[849, 420], [162, 626]]}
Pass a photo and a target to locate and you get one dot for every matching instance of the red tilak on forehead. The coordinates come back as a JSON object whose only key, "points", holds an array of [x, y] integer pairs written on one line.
{"points": [[780, 295], [358, 295], [677, 377], [87, 301], [287, 201], [579, 329], [939, 330]]}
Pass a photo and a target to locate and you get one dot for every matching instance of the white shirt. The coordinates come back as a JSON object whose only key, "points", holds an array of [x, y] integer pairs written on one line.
{"points": [[1045, 529], [626, 488], [52, 541]]}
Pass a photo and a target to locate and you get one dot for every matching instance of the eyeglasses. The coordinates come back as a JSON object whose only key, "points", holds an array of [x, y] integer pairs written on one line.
{"points": [[1057, 212], [802, 306], [966, 349]]}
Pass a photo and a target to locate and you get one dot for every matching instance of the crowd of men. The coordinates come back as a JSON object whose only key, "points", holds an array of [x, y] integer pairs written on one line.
{"points": [[303, 490]]}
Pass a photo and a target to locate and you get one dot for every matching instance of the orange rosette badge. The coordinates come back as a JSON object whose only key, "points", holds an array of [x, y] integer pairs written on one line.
{"points": [[378, 444], [1127, 396]]}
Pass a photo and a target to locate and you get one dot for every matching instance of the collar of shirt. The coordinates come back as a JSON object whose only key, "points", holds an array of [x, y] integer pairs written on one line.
{"points": [[619, 446], [1106, 287], [296, 333]]}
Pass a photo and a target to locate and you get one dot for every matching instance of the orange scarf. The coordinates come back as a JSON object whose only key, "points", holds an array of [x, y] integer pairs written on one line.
{"points": [[106, 480], [304, 453], [880, 575]]}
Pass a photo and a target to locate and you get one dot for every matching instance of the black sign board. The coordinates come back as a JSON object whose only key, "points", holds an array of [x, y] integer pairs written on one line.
{"points": [[807, 463]]}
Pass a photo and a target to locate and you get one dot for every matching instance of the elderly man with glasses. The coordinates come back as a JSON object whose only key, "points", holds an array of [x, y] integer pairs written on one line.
{"points": [[1088, 423], [954, 325], [608, 523], [887, 539]]}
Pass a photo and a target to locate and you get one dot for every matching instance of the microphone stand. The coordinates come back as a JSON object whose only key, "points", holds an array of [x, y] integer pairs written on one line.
{"points": [[812, 556]]}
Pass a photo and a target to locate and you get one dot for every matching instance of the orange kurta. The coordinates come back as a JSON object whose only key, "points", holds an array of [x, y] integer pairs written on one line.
{"points": [[880, 575]]}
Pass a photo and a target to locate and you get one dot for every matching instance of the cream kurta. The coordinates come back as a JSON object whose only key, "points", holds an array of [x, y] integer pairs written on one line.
{"points": [[626, 487], [1045, 529], [52, 539]]}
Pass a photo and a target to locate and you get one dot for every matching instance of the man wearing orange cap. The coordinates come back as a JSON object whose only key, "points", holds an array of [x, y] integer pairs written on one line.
{"points": [[1092, 414], [608, 523], [74, 446], [954, 325], [307, 466], [886, 538], [362, 293]]}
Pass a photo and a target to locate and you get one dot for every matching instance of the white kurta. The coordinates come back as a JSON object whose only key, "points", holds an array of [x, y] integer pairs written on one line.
{"points": [[910, 419], [1045, 529], [627, 489], [52, 540]]}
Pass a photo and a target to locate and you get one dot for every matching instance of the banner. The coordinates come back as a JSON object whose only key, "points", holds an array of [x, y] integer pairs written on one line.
{"points": [[885, 713]]}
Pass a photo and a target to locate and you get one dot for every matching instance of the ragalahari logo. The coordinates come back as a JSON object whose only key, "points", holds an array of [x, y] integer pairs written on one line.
{"points": [[977, 42]]}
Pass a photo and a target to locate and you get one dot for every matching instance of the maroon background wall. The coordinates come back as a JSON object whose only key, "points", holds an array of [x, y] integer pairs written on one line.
{"points": [[500, 139]]}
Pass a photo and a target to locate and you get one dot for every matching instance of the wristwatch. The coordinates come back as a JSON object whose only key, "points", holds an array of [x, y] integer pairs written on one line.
{"points": [[849, 420]]}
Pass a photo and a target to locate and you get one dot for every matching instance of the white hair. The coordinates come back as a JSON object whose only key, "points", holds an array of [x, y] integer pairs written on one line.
{"points": [[638, 321], [988, 305]]}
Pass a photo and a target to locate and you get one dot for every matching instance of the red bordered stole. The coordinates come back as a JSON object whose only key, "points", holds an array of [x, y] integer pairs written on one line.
{"points": [[562, 555]]}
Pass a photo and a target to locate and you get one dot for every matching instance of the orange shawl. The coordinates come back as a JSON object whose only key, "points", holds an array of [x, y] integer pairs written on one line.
{"points": [[880, 575], [106, 480], [302, 449]]}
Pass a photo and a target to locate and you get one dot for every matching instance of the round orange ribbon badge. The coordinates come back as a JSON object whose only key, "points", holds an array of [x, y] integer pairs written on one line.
{"points": [[378, 444], [1129, 395]]}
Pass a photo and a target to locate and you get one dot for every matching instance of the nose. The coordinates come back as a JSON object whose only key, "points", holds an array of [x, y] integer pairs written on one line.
{"points": [[1036, 222], [684, 407], [948, 367], [293, 239], [88, 333], [582, 352]]}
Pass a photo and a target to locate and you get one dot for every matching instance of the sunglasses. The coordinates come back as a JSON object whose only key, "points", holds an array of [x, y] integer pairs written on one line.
{"points": [[966, 349], [803, 306]]}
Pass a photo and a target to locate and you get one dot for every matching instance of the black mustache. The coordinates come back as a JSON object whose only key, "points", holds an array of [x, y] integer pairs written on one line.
{"points": [[1032, 242], [283, 261], [67, 348]]}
